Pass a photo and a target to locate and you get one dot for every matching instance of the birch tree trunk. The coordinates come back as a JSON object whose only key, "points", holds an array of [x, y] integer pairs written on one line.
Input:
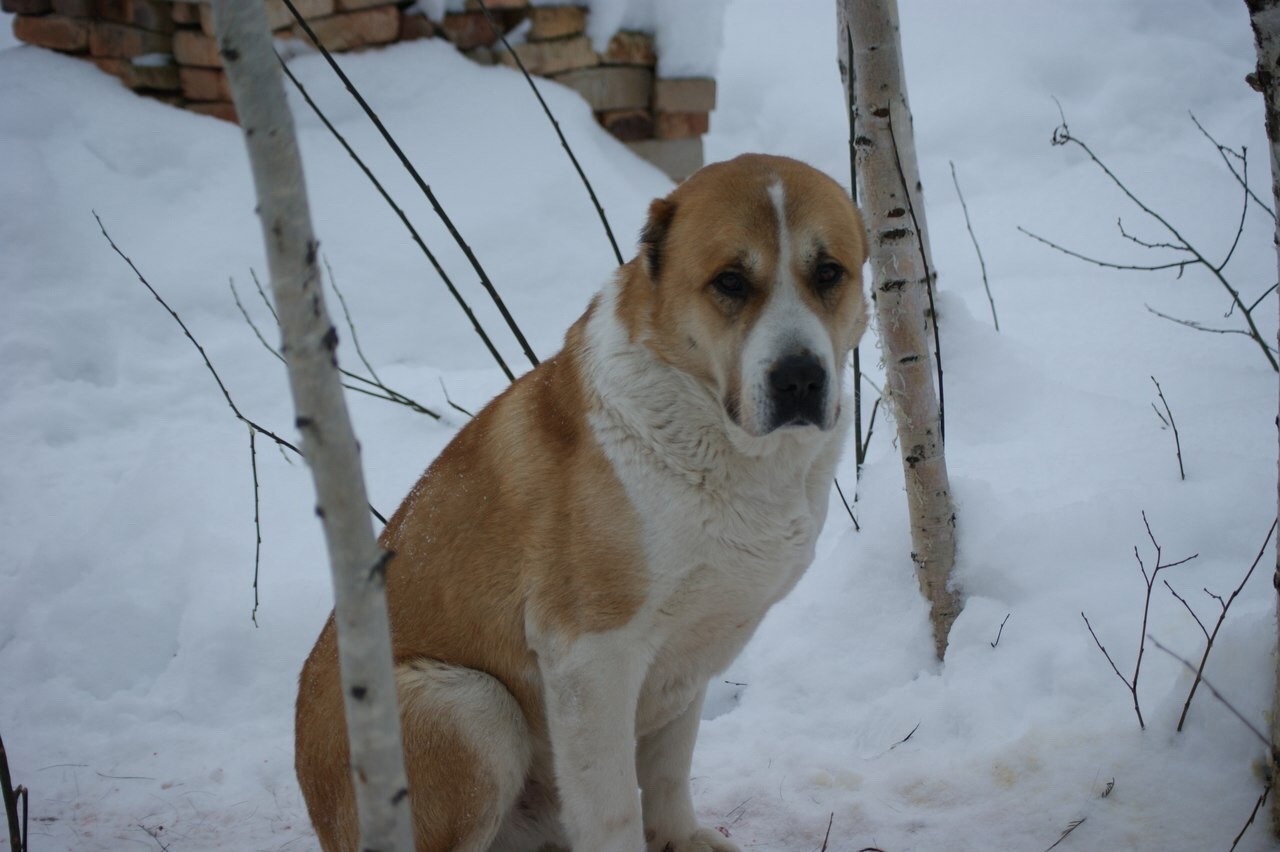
{"points": [[887, 174], [1264, 15], [329, 444]]}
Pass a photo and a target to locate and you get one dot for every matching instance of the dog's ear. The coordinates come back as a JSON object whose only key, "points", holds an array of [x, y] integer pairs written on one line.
{"points": [[654, 235]]}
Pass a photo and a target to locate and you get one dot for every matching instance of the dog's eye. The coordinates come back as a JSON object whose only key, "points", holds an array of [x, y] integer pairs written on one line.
{"points": [[731, 283], [827, 275]]}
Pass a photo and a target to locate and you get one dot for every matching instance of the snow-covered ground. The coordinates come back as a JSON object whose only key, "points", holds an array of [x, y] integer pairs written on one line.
{"points": [[144, 709]]}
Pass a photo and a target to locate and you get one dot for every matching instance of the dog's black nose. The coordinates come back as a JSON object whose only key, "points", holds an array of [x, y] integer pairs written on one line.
{"points": [[799, 385]]}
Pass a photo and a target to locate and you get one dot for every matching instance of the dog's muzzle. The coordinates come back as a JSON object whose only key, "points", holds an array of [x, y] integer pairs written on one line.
{"points": [[797, 392]]}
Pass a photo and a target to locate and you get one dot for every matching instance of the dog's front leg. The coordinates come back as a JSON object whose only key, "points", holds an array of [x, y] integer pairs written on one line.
{"points": [[663, 759], [592, 686]]}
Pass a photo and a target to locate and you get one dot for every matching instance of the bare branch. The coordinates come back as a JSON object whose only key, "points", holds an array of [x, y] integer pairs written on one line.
{"points": [[1218, 695], [257, 523], [1000, 632], [1132, 687], [986, 285], [564, 143], [1210, 636], [404, 219], [1167, 418], [847, 507], [1071, 826], [1257, 806], [1223, 152], [1179, 265], [417, 178]]}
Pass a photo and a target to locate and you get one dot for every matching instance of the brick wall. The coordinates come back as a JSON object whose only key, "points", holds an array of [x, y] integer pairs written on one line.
{"points": [[166, 49]]}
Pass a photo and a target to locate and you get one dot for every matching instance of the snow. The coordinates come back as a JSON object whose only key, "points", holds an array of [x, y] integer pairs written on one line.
{"points": [[143, 707]]}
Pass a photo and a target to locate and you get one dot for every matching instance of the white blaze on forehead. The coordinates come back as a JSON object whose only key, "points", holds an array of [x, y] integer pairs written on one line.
{"points": [[786, 326]]}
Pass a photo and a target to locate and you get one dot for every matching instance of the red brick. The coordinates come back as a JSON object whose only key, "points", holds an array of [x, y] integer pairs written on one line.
{"points": [[125, 42], [494, 5], [75, 8], [153, 77], [629, 125], [630, 48], [224, 110], [154, 15], [70, 35], [680, 125], [186, 13], [685, 94], [468, 29], [553, 57], [204, 84], [356, 5], [610, 88], [278, 14], [415, 26], [27, 7], [193, 47], [557, 22], [352, 30]]}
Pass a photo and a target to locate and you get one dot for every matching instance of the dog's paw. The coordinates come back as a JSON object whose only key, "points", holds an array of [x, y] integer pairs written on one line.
{"points": [[702, 840]]}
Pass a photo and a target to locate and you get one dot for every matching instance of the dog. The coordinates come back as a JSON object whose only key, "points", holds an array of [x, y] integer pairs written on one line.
{"points": [[606, 535]]}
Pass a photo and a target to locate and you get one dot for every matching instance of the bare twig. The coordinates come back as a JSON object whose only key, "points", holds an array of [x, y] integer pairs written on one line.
{"points": [[856, 526], [1167, 419], [1257, 806], [827, 837], [986, 285], [226, 394], [1062, 136], [1106, 791], [911, 734], [351, 326], [1000, 632], [257, 523], [1201, 327], [1071, 826], [12, 795], [1225, 153], [564, 143], [404, 219], [1271, 749], [417, 178], [451, 403], [1149, 580], [1211, 635]]}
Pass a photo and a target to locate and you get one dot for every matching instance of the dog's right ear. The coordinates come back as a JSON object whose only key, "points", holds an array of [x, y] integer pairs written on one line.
{"points": [[654, 236]]}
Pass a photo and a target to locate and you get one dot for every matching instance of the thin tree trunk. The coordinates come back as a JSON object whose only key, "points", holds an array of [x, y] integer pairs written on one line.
{"points": [[329, 444], [901, 269], [1264, 15]]}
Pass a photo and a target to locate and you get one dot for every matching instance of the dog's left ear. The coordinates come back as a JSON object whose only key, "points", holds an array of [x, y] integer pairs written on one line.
{"points": [[654, 235]]}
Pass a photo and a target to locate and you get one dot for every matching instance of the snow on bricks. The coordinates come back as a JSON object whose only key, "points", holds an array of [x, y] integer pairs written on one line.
{"points": [[167, 49]]}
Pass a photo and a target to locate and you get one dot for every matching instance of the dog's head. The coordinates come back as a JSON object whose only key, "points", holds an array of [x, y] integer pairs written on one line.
{"points": [[752, 284]]}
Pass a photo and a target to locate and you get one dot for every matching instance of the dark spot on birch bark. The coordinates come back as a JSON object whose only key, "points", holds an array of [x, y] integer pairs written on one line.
{"points": [[895, 234], [880, 112], [896, 213], [312, 247], [303, 422], [331, 339], [862, 141], [895, 284], [320, 511], [230, 52], [909, 359], [359, 692], [399, 796]]}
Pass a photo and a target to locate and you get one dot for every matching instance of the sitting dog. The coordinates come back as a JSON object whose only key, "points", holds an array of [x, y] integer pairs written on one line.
{"points": [[606, 535]]}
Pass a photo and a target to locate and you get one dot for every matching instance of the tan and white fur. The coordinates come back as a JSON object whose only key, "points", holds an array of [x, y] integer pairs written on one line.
{"points": [[606, 535]]}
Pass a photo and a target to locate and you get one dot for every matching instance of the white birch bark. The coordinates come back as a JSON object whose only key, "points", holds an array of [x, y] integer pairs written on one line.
{"points": [[1264, 15], [329, 444], [900, 270]]}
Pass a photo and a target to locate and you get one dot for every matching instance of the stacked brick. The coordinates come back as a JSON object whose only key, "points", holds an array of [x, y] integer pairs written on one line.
{"points": [[661, 119], [166, 49]]}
